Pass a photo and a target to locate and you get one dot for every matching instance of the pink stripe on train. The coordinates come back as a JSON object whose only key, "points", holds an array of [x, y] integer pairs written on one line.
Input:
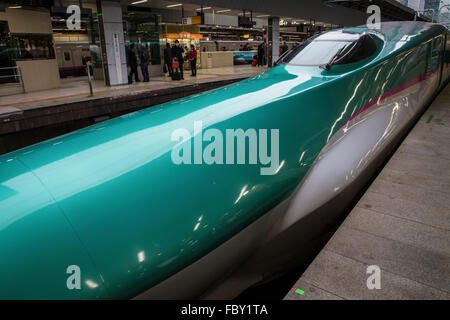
{"points": [[391, 93]]}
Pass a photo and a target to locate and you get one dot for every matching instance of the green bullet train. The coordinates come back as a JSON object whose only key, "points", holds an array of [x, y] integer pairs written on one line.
{"points": [[205, 196]]}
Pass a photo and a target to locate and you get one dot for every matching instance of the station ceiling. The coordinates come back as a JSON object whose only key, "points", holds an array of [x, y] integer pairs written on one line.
{"points": [[390, 9], [208, 7], [340, 12], [318, 10]]}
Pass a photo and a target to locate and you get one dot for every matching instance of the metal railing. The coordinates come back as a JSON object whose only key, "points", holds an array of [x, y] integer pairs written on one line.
{"points": [[435, 14], [439, 14], [419, 13], [17, 74]]}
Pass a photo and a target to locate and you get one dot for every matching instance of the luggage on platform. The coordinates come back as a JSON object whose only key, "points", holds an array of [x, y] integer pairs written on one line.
{"points": [[176, 76]]}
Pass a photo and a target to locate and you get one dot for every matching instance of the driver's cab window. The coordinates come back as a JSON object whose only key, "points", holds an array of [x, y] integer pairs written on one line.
{"points": [[363, 49], [332, 48]]}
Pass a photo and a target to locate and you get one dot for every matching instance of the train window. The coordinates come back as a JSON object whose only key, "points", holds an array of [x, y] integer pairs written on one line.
{"points": [[324, 50], [363, 48], [317, 52], [66, 56]]}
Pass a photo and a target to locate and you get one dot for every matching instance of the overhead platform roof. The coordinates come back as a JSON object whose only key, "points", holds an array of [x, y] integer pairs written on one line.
{"points": [[302, 9], [391, 10], [341, 12], [26, 3]]}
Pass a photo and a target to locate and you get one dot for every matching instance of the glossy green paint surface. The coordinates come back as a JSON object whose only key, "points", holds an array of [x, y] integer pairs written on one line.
{"points": [[109, 199], [37, 243]]}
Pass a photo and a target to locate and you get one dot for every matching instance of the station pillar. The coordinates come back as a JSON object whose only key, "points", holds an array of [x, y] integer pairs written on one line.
{"points": [[112, 42], [273, 40]]}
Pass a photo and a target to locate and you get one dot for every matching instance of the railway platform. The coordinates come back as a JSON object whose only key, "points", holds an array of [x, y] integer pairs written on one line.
{"points": [[76, 89], [395, 243], [32, 117]]}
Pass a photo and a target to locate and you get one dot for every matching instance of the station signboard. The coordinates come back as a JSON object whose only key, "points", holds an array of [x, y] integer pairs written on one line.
{"points": [[181, 35], [192, 20]]}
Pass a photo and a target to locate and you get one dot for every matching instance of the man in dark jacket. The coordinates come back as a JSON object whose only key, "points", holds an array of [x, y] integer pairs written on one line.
{"points": [[168, 58], [132, 62], [177, 52], [144, 57], [284, 48], [261, 53]]}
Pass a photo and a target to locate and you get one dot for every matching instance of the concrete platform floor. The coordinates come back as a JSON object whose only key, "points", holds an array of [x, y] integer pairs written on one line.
{"points": [[74, 89], [401, 224]]}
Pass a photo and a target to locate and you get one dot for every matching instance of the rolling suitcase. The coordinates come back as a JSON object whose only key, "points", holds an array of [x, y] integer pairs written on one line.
{"points": [[176, 76]]}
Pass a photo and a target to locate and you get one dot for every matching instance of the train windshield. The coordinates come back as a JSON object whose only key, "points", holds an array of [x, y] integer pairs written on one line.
{"points": [[329, 49]]}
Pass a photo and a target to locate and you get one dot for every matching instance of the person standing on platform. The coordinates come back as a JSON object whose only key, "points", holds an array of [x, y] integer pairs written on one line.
{"points": [[176, 69], [261, 54], [144, 57], [168, 59], [186, 52], [132, 62], [177, 52], [283, 48], [192, 55]]}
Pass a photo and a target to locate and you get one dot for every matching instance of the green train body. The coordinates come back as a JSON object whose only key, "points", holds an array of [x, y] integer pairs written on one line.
{"points": [[110, 200]]}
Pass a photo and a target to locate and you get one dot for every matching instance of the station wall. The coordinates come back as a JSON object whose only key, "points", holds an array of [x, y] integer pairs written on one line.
{"points": [[39, 74]]}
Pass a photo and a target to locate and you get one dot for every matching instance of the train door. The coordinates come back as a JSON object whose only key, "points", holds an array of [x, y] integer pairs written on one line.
{"points": [[428, 47], [433, 65], [76, 57], [446, 62], [437, 56]]}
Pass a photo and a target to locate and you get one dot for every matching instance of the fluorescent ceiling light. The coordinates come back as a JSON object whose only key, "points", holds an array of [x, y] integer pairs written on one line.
{"points": [[205, 8], [263, 15], [15, 7], [220, 11], [174, 5], [140, 1]]}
